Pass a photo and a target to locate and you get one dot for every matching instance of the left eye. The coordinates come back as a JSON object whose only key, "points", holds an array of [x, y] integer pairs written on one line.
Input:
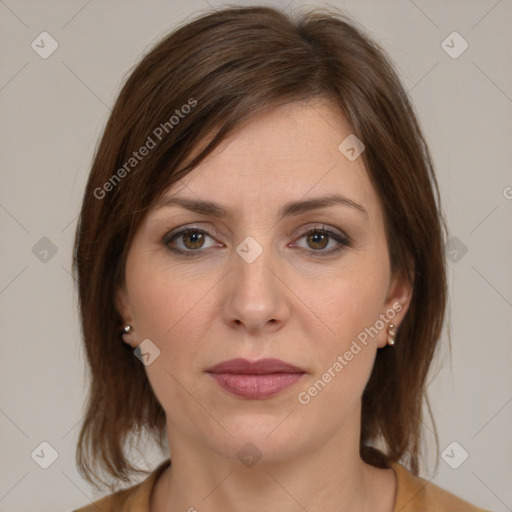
{"points": [[193, 240], [318, 239]]}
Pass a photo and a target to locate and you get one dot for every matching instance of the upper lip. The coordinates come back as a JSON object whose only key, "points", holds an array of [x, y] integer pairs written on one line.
{"points": [[259, 367]]}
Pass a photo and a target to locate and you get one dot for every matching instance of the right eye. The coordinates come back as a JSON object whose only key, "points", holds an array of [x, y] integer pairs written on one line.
{"points": [[192, 240]]}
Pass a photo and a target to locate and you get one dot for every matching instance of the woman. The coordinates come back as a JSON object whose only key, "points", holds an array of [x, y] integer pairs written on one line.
{"points": [[261, 274]]}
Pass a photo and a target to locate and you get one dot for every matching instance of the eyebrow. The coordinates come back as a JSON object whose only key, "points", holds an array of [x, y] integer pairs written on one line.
{"points": [[291, 208]]}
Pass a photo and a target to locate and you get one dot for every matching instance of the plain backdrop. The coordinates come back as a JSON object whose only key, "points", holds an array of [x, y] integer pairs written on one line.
{"points": [[53, 111]]}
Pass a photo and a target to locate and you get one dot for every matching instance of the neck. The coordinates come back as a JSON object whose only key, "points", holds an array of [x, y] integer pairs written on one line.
{"points": [[328, 475]]}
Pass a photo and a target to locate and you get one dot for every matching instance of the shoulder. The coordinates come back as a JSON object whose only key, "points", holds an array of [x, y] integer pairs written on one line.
{"points": [[416, 494], [118, 501], [133, 499]]}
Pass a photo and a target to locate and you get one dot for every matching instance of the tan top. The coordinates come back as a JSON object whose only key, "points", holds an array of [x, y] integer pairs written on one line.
{"points": [[414, 494]]}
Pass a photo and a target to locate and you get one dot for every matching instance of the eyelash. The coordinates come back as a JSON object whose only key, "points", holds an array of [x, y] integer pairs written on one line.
{"points": [[170, 237]]}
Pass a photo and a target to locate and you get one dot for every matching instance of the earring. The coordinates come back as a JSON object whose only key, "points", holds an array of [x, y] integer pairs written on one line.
{"points": [[391, 334], [127, 329]]}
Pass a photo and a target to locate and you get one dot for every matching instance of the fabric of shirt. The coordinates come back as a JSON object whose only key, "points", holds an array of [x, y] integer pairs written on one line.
{"points": [[413, 494]]}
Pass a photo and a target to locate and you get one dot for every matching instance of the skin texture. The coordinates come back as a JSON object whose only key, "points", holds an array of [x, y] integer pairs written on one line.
{"points": [[291, 303]]}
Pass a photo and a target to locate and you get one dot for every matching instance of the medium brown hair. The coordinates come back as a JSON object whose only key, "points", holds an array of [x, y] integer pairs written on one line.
{"points": [[229, 66]]}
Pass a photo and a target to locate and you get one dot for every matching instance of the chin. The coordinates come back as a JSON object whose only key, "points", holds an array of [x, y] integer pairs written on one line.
{"points": [[259, 439]]}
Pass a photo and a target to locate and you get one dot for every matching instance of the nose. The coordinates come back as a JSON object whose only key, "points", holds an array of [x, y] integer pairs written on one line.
{"points": [[257, 298]]}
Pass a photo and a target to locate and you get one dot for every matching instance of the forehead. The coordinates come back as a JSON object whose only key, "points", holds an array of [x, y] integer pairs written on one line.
{"points": [[288, 153]]}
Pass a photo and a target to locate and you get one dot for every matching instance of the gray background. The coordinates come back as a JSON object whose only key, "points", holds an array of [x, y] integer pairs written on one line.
{"points": [[53, 112]]}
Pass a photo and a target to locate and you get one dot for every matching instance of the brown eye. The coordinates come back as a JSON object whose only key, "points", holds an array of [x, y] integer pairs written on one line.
{"points": [[188, 241], [193, 239], [318, 240]]}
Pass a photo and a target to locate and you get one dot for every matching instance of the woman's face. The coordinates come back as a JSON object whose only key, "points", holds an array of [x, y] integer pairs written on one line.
{"points": [[258, 284]]}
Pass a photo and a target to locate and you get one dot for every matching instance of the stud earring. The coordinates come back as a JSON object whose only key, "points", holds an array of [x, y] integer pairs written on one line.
{"points": [[391, 334], [127, 329]]}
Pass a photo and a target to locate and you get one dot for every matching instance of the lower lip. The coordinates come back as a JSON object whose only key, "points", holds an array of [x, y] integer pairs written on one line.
{"points": [[256, 387]]}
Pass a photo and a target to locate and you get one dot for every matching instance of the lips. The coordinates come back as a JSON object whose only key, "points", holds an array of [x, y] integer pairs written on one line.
{"points": [[261, 367], [255, 380]]}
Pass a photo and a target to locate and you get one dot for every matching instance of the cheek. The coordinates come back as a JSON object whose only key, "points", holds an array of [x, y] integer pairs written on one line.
{"points": [[345, 343], [163, 298], [345, 356], [349, 303], [171, 311]]}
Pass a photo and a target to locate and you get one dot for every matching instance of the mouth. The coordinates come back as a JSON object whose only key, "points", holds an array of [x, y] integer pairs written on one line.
{"points": [[255, 380]]}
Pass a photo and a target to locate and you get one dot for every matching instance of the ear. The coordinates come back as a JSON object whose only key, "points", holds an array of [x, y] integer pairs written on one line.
{"points": [[396, 305], [122, 303], [123, 307]]}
